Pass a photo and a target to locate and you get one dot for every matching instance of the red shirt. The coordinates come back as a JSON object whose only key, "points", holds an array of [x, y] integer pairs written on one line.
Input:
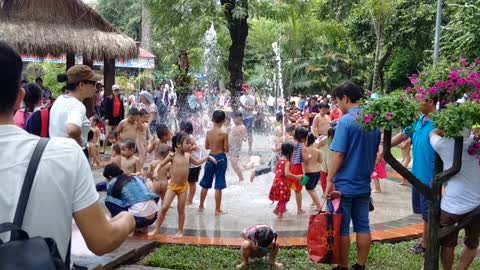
{"points": [[335, 115], [116, 107]]}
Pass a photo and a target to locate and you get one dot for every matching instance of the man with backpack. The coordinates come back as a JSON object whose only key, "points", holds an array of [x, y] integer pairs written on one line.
{"points": [[260, 241], [45, 184]]}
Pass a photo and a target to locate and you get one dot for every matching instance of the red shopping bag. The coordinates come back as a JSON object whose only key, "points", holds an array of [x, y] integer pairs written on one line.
{"points": [[323, 237]]}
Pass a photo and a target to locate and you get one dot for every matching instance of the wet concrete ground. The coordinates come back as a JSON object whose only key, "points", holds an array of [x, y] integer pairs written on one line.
{"points": [[247, 204]]}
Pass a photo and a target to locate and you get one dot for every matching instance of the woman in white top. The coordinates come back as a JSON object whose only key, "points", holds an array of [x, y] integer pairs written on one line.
{"points": [[68, 116]]}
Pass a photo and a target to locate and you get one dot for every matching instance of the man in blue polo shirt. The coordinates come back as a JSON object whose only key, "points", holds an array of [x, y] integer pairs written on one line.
{"points": [[423, 161], [352, 163]]}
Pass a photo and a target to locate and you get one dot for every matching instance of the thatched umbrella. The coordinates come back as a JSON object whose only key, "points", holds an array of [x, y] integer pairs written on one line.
{"points": [[55, 27]]}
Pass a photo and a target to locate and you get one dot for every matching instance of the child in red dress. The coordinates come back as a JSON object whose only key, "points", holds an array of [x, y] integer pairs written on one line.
{"points": [[380, 171], [280, 190]]}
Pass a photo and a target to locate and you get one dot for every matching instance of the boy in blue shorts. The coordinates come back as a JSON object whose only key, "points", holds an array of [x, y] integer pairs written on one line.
{"points": [[217, 142]]}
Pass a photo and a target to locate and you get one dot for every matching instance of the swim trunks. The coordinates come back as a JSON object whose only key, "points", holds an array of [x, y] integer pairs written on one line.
{"points": [[178, 188], [218, 170], [312, 180], [193, 174]]}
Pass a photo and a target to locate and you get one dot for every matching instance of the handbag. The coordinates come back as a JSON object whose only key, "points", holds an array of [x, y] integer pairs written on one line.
{"points": [[323, 236]]}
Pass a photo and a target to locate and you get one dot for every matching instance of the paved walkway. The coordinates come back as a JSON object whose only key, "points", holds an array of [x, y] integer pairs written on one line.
{"points": [[247, 204]]}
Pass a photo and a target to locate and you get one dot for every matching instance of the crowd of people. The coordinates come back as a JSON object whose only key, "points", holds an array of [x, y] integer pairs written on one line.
{"points": [[316, 143]]}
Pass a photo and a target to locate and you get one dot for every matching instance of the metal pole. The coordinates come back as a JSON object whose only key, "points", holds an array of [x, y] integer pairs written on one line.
{"points": [[437, 32]]}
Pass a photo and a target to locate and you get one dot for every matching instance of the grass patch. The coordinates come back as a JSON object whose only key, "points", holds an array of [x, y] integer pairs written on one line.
{"points": [[382, 257], [397, 153]]}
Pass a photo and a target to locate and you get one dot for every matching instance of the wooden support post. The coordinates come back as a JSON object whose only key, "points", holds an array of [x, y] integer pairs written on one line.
{"points": [[108, 76], [434, 194], [70, 60], [89, 102]]}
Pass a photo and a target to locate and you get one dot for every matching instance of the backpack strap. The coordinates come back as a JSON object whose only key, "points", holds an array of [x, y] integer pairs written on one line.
{"points": [[44, 123], [28, 182]]}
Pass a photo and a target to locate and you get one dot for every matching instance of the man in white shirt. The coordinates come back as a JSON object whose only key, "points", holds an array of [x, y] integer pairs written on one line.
{"points": [[63, 186], [462, 195], [247, 106]]}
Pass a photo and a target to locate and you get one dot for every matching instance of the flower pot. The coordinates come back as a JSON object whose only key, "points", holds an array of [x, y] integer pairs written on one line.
{"points": [[466, 132]]}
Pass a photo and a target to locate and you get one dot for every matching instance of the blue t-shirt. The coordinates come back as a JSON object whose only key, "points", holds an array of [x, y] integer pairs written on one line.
{"points": [[360, 148], [301, 105], [423, 153]]}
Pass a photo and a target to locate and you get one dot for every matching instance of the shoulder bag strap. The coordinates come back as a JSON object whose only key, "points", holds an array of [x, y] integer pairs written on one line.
{"points": [[44, 123], [28, 182]]}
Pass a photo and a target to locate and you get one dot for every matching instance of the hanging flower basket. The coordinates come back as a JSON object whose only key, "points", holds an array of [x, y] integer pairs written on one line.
{"points": [[457, 88], [395, 110]]}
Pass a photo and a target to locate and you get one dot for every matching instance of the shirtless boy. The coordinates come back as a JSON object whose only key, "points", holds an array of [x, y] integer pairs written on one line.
{"points": [[194, 171], [321, 122], [142, 134], [130, 127], [160, 178], [97, 134], [179, 167], [164, 137], [311, 166], [217, 142], [130, 164], [238, 134]]}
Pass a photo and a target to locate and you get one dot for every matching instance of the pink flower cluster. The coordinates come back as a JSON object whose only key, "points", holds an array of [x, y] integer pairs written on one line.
{"points": [[367, 119], [463, 80], [474, 148]]}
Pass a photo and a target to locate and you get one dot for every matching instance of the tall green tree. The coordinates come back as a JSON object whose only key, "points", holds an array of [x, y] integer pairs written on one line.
{"points": [[124, 14], [460, 37], [236, 12]]}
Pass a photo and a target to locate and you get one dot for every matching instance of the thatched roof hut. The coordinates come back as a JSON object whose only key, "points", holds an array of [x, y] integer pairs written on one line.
{"points": [[55, 27]]}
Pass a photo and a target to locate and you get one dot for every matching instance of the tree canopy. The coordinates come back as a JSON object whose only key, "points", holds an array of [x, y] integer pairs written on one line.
{"points": [[323, 42]]}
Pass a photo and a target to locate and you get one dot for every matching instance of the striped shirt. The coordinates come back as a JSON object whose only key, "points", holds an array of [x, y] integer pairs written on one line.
{"points": [[297, 154]]}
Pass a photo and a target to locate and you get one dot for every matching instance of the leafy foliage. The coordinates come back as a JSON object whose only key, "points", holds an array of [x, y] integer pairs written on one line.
{"points": [[460, 35], [394, 110], [124, 14], [454, 118], [48, 72]]}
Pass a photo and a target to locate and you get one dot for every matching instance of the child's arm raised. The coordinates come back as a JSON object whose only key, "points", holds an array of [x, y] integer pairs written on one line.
{"points": [[140, 126], [164, 162], [151, 145], [288, 174], [201, 161]]}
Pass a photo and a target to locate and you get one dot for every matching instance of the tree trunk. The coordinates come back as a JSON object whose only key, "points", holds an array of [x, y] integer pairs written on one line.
{"points": [[377, 58], [182, 80], [146, 39], [381, 67], [146, 42], [238, 28]]}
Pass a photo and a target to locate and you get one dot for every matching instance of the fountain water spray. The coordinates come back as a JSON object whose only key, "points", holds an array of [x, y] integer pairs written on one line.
{"points": [[211, 59], [277, 51]]}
